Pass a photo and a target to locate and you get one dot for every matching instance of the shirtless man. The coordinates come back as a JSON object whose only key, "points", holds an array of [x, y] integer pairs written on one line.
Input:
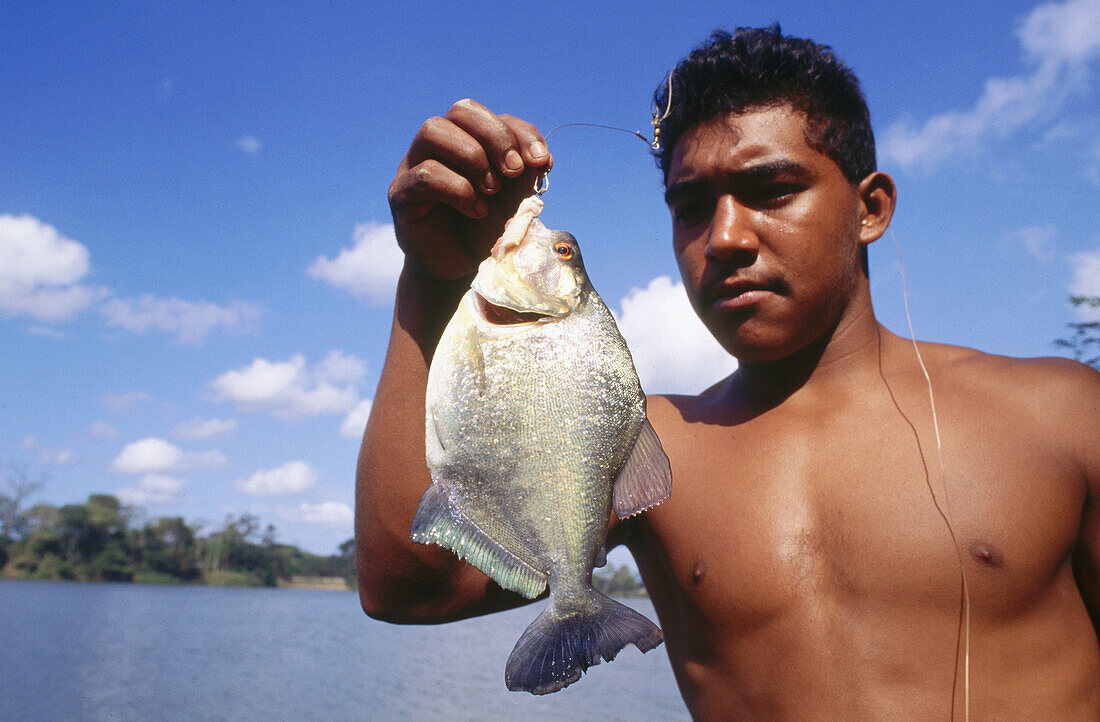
{"points": [[816, 560]]}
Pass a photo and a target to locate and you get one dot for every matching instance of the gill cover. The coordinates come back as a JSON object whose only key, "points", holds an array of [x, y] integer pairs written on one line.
{"points": [[525, 273]]}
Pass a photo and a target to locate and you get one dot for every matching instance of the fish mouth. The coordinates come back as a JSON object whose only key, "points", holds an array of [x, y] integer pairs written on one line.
{"points": [[503, 316]]}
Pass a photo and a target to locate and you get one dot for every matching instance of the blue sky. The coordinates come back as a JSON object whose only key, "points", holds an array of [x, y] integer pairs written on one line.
{"points": [[196, 262]]}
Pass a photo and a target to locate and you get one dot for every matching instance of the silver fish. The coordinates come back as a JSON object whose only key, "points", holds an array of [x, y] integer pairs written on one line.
{"points": [[536, 429]]}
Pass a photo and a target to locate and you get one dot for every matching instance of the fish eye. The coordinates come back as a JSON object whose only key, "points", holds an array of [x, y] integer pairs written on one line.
{"points": [[564, 251]]}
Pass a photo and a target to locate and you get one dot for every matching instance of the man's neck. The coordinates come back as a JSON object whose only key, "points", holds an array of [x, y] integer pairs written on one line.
{"points": [[849, 350]]}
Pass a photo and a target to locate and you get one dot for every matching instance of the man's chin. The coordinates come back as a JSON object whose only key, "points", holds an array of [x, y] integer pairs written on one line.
{"points": [[758, 348]]}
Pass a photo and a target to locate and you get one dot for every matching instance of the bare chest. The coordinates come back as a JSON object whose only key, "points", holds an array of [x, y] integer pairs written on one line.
{"points": [[788, 520]]}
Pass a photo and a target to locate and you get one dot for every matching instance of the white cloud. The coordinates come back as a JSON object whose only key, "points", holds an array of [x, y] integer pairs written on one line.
{"points": [[41, 277], [340, 367], [189, 321], [125, 401], [672, 350], [151, 490], [368, 269], [49, 332], [1086, 281], [148, 455], [198, 429], [327, 513], [48, 455], [292, 477], [102, 430], [1067, 32], [290, 389], [41, 273], [356, 420], [1038, 241], [157, 456], [1059, 40], [249, 144]]}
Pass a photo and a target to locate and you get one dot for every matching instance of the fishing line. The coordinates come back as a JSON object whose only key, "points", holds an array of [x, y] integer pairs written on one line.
{"points": [[637, 133], [947, 516], [542, 180]]}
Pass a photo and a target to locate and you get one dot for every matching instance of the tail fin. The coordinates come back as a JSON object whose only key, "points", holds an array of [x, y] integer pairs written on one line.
{"points": [[555, 651]]}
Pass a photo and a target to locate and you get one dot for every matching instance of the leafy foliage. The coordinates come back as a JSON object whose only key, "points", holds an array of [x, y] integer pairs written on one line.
{"points": [[619, 581], [1084, 342], [100, 540]]}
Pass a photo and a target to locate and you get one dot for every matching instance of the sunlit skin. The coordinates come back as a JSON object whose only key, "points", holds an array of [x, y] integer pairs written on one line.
{"points": [[801, 569], [741, 215], [804, 567]]}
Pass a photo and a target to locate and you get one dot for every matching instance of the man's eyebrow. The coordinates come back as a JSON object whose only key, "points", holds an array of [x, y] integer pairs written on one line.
{"points": [[758, 173], [771, 169], [683, 188]]}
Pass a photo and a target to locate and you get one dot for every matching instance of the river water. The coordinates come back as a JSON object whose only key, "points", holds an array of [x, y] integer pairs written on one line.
{"points": [[72, 651]]}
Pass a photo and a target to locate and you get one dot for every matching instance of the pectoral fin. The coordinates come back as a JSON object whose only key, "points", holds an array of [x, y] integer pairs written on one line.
{"points": [[645, 479]]}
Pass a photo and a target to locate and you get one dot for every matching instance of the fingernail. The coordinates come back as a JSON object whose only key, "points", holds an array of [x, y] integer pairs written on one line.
{"points": [[481, 209], [537, 149], [513, 161], [490, 182]]}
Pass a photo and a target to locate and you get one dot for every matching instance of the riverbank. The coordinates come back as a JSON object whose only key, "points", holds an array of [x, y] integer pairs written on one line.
{"points": [[209, 579], [329, 584]]}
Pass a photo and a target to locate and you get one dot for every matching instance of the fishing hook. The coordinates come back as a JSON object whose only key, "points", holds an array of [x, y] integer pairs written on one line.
{"points": [[542, 182], [658, 119]]}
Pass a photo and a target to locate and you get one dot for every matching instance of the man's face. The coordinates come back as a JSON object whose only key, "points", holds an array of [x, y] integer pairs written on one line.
{"points": [[765, 230]]}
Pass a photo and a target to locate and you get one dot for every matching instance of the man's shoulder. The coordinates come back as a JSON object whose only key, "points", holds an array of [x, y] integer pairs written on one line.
{"points": [[706, 406], [1041, 390], [1008, 374]]}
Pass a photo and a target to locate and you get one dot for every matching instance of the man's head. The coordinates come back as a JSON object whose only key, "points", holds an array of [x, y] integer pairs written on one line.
{"points": [[771, 184], [758, 67]]}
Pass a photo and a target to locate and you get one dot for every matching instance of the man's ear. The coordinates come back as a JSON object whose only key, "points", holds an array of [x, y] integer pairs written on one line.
{"points": [[877, 198]]}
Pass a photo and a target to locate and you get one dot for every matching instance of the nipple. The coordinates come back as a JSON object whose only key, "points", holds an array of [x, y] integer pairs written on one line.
{"points": [[699, 572], [987, 554]]}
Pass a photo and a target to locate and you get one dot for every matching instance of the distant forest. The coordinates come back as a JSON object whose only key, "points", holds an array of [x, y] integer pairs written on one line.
{"points": [[105, 540]]}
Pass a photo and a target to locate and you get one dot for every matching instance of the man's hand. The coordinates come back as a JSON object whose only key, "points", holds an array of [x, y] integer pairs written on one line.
{"points": [[463, 177]]}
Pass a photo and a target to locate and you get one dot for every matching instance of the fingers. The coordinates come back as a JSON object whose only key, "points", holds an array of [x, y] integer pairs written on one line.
{"points": [[512, 146], [416, 190], [531, 144], [469, 154]]}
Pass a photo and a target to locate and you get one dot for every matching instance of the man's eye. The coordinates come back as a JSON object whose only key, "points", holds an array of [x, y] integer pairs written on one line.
{"points": [[689, 212], [771, 194]]}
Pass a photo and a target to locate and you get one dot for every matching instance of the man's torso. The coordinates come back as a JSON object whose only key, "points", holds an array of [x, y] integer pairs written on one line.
{"points": [[805, 564]]}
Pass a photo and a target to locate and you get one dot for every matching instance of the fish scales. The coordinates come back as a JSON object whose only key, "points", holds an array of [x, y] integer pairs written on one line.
{"points": [[535, 426]]}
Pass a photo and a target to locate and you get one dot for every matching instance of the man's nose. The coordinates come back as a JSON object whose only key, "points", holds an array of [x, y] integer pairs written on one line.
{"points": [[731, 231]]}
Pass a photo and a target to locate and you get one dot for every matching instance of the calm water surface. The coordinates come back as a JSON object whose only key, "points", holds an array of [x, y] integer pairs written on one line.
{"points": [[134, 652]]}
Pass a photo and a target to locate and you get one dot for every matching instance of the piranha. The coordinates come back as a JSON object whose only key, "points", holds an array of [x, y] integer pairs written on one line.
{"points": [[535, 431]]}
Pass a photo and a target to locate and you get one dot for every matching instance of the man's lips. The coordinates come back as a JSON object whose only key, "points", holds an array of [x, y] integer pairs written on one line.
{"points": [[734, 293]]}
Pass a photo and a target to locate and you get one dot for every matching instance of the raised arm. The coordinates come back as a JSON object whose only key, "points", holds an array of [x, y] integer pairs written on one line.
{"points": [[463, 176]]}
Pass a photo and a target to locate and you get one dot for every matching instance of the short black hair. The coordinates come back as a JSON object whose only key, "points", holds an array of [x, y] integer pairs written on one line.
{"points": [[759, 67]]}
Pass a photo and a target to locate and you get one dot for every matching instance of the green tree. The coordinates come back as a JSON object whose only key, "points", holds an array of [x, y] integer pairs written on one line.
{"points": [[16, 487], [618, 581], [168, 547], [97, 543], [1084, 342]]}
